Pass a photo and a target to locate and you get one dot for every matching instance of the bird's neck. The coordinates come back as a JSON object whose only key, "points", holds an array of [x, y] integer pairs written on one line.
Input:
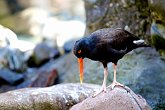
{"points": [[88, 47]]}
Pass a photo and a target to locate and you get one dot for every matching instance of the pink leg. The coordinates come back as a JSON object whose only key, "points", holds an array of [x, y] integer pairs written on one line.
{"points": [[103, 87], [115, 83]]}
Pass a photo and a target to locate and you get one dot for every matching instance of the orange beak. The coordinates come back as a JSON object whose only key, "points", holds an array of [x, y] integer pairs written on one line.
{"points": [[80, 61]]}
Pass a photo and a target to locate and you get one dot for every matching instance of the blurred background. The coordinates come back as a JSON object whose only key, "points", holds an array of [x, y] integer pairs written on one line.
{"points": [[56, 20], [37, 36]]}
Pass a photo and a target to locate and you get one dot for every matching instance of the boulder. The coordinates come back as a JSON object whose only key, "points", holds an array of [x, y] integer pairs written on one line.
{"points": [[13, 59], [45, 79], [9, 77], [41, 54], [116, 99], [58, 97], [39, 78], [132, 15], [5, 88], [142, 70]]}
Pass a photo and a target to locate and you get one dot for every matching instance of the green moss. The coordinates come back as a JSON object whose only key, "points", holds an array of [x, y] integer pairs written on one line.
{"points": [[158, 41]]}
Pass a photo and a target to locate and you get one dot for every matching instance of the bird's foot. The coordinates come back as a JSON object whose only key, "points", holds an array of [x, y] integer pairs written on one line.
{"points": [[115, 83], [103, 89]]}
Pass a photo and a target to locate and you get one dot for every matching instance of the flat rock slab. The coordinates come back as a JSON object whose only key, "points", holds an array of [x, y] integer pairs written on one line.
{"points": [[116, 99]]}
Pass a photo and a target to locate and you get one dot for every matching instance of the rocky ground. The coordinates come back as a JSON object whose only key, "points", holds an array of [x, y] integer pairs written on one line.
{"points": [[116, 99], [58, 97], [142, 70]]}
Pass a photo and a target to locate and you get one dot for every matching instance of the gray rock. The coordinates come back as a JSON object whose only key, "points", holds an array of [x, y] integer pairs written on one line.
{"points": [[132, 15], [10, 77], [59, 97], [5, 88], [39, 78], [42, 53], [116, 99], [13, 59], [142, 70], [44, 78]]}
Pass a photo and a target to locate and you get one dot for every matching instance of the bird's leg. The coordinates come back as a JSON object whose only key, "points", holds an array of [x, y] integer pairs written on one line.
{"points": [[115, 83], [103, 87]]}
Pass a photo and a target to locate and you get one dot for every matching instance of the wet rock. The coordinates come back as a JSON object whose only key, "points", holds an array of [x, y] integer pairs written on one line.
{"points": [[116, 99], [59, 97], [68, 46], [10, 77], [13, 59], [41, 54]]}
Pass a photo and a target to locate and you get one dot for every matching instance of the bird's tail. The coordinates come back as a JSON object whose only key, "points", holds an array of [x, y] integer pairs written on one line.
{"points": [[141, 43]]}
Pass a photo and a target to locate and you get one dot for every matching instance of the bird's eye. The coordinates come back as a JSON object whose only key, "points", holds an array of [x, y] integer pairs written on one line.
{"points": [[79, 51]]}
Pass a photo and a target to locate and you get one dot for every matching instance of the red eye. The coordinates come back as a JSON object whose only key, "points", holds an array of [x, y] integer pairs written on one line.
{"points": [[79, 51]]}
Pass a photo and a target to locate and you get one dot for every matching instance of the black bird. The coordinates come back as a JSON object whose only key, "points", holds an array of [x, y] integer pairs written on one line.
{"points": [[106, 45]]}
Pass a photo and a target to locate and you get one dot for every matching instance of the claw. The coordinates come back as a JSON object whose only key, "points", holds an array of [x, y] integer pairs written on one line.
{"points": [[118, 84], [103, 89], [114, 83]]}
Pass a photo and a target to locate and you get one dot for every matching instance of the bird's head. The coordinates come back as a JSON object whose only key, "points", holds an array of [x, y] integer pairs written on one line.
{"points": [[80, 50]]}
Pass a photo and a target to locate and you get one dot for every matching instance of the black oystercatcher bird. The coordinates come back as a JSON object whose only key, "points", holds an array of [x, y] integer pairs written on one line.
{"points": [[106, 45]]}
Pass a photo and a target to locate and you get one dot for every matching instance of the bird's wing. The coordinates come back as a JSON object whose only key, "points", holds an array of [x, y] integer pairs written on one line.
{"points": [[117, 39]]}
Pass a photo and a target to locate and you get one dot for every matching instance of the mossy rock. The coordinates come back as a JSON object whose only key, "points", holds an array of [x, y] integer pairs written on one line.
{"points": [[158, 41]]}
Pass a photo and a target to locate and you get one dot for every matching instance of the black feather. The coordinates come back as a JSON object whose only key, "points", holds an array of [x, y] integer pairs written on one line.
{"points": [[106, 45]]}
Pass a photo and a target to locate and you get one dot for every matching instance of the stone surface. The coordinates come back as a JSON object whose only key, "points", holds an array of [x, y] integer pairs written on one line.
{"points": [[158, 10], [59, 97], [136, 16], [9, 77], [5, 88], [116, 99], [12, 59], [142, 70], [39, 78], [132, 15], [45, 78], [41, 54]]}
